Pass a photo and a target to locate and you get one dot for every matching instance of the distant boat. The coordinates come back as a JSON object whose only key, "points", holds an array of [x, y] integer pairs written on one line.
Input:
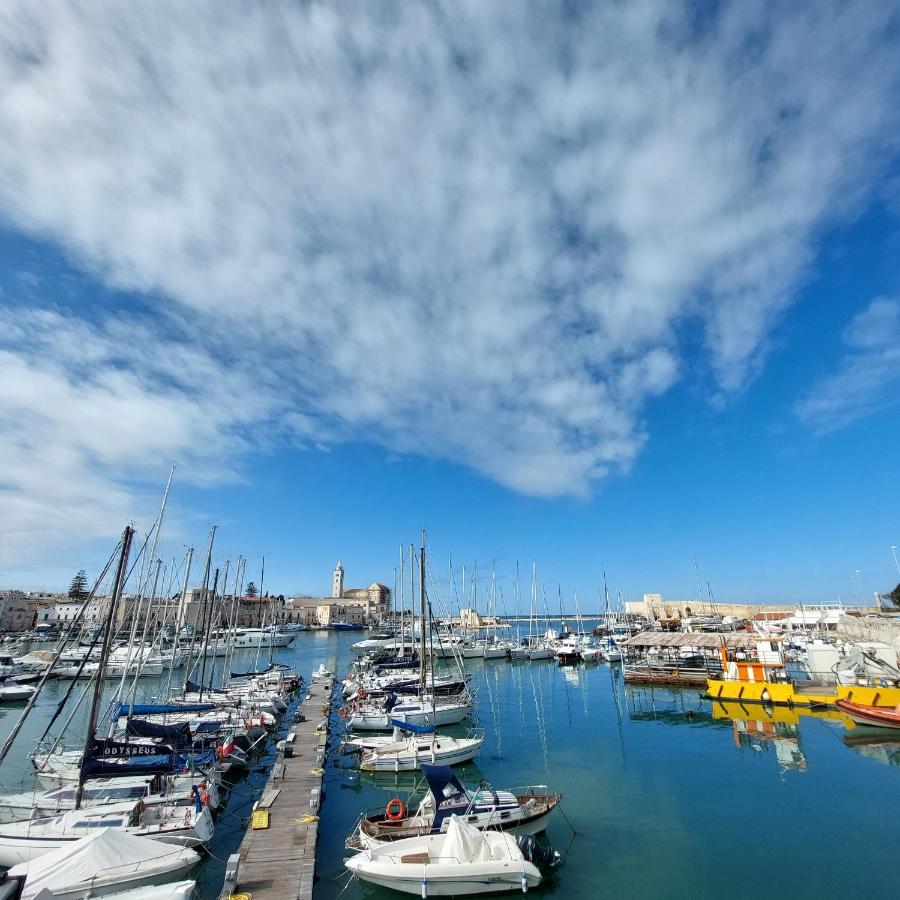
{"points": [[347, 626]]}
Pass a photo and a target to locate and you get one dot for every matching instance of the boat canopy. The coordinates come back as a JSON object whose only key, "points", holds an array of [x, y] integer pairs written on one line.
{"points": [[412, 729], [144, 709], [178, 734], [104, 853]]}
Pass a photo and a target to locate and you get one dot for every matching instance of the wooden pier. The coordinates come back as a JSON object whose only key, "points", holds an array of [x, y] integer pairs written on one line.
{"points": [[277, 858]]}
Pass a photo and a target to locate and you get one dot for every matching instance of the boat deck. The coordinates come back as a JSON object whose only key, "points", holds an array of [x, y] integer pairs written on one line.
{"points": [[279, 862]]}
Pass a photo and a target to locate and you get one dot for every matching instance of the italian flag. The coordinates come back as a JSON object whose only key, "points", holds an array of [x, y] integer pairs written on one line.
{"points": [[228, 744]]}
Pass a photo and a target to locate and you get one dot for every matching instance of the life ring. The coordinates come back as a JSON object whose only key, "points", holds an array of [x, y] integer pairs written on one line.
{"points": [[361, 694], [395, 810], [344, 711]]}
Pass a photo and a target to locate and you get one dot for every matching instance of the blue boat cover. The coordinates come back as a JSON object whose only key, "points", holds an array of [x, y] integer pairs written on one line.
{"points": [[178, 734], [412, 729], [144, 709]]}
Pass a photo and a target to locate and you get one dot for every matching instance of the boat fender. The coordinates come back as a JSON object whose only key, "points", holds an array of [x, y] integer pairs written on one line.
{"points": [[395, 810], [765, 695], [424, 888], [344, 711], [524, 883]]}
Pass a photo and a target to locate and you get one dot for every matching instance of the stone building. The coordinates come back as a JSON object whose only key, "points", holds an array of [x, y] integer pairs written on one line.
{"points": [[366, 606]]}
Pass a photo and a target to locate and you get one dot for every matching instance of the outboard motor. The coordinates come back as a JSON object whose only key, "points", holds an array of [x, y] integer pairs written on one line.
{"points": [[543, 857]]}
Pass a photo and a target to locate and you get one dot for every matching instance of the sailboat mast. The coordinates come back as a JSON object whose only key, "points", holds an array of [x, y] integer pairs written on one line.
{"points": [[179, 616], [118, 588], [207, 628], [198, 619], [422, 603]]}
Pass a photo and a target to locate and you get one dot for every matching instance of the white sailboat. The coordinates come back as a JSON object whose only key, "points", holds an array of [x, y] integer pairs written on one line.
{"points": [[405, 752], [182, 825]]}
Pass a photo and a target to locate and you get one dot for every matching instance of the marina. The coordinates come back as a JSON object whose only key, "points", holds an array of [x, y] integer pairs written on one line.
{"points": [[639, 769]]}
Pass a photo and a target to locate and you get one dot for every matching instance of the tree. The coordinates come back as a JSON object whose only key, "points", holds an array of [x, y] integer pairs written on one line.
{"points": [[893, 596], [252, 590], [78, 589]]}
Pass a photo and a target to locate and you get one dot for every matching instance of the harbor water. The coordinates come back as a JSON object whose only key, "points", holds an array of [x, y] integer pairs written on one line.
{"points": [[664, 795]]}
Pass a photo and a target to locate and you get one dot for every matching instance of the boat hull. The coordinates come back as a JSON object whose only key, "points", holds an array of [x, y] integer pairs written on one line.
{"points": [[446, 880]]}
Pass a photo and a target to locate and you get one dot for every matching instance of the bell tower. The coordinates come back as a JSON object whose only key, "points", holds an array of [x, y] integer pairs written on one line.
{"points": [[337, 582]]}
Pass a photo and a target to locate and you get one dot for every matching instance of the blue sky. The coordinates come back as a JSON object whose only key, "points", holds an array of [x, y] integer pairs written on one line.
{"points": [[594, 288]]}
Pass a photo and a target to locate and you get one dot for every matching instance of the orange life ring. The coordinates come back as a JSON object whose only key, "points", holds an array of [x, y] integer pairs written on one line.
{"points": [[344, 711], [361, 693], [395, 810]]}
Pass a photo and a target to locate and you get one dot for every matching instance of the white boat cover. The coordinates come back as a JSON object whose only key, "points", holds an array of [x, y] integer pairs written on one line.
{"points": [[465, 843], [107, 855]]}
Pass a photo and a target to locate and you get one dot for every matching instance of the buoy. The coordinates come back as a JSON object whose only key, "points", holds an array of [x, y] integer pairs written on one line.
{"points": [[395, 810]]}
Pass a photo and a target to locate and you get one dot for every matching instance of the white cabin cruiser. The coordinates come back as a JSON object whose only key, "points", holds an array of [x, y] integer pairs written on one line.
{"points": [[521, 811]]}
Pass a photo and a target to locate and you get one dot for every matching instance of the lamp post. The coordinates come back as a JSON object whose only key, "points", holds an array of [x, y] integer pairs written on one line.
{"points": [[894, 554]]}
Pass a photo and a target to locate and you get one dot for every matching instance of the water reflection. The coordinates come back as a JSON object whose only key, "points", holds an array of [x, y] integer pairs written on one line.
{"points": [[878, 746]]}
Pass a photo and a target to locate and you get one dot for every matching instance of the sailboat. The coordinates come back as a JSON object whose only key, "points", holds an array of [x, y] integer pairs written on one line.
{"points": [[411, 746]]}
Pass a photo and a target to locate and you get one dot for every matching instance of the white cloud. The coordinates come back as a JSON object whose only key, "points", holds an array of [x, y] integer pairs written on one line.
{"points": [[466, 230], [867, 378]]}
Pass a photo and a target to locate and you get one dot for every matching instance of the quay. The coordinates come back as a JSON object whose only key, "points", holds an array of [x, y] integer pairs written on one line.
{"points": [[277, 857]]}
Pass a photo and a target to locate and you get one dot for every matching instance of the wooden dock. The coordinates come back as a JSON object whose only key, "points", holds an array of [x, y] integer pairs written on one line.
{"points": [[278, 862]]}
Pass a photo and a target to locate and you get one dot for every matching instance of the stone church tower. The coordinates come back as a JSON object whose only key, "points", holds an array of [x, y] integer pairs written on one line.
{"points": [[337, 583]]}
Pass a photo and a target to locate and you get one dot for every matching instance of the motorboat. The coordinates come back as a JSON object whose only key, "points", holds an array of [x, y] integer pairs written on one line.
{"points": [[568, 652], [878, 716], [105, 863], [13, 692], [407, 752], [185, 826], [459, 862], [522, 811]]}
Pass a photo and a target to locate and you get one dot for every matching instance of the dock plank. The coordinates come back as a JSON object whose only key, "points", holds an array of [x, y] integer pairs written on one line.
{"points": [[278, 863]]}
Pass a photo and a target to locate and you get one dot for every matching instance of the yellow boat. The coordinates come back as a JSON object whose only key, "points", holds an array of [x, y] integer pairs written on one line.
{"points": [[764, 680]]}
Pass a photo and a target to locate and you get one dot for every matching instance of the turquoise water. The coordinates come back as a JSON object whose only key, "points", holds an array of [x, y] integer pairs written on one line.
{"points": [[666, 799]]}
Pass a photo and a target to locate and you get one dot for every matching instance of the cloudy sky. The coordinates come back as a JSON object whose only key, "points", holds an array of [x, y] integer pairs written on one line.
{"points": [[559, 280]]}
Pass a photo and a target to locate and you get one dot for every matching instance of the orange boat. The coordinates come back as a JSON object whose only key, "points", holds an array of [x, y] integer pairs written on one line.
{"points": [[880, 716]]}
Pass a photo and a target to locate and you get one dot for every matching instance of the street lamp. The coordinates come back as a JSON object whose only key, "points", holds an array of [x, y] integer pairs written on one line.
{"points": [[859, 585], [894, 554]]}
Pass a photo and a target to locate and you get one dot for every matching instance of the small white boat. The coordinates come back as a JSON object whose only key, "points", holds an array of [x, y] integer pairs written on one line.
{"points": [[459, 862], [12, 692], [406, 754], [105, 863], [321, 672], [591, 654]]}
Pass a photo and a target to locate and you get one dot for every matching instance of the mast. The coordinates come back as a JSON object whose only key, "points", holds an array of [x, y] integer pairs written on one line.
{"points": [[207, 629], [422, 604], [188, 663], [178, 616], [118, 588]]}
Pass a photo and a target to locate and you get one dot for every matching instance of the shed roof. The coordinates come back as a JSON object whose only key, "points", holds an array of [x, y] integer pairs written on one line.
{"points": [[681, 639]]}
